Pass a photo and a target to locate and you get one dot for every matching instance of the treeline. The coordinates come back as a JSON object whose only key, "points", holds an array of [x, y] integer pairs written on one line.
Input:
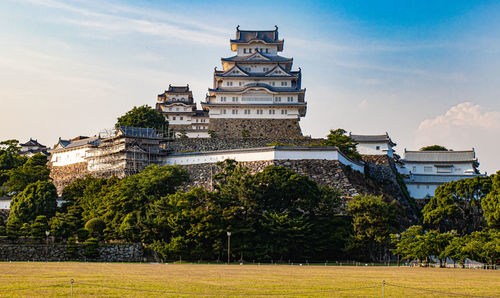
{"points": [[461, 221], [273, 215]]}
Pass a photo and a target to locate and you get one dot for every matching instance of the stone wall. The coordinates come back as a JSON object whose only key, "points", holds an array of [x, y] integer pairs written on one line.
{"points": [[327, 172], [255, 128], [214, 144], [62, 176], [57, 252], [382, 169]]}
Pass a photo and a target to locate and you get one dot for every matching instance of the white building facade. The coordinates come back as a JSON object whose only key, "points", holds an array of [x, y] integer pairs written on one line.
{"points": [[424, 171], [374, 144]]}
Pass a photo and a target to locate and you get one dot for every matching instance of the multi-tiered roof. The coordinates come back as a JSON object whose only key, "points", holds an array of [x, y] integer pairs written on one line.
{"points": [[256, 77]]}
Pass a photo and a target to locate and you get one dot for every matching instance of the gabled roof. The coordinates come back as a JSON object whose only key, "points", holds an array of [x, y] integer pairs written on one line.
{"points": [[277, 71], [32, 143], [234, 71], [177, 89], [257, 57], [263, 36], [261, 85], [77, 142], [440, 156], [373, 139]]}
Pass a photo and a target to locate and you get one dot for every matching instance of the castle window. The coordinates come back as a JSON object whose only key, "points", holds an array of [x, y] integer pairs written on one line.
{"points": [[196, 120], [241, 83], [250, 51], [181, 118], [427, 169], [235, 99], [173, 118], [284, 83], [234, 112], [224, 112], [265, 69], [229, 83], [260, 112], [272, 83], [267, 51], [377, 147], [278, 99], [289, 99], [177, 109], [223, 99], [247, 112], [271, 112], [170, 109], [283, 112], [244, 51]]}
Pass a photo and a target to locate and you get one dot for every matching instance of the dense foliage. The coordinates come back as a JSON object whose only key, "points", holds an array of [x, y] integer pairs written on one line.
{"points": [[434, 148], [343, 142], [457, 205], [143, 116]]}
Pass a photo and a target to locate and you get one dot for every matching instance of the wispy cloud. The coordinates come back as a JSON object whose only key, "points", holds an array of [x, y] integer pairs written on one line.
{"points": [[128, 19]]}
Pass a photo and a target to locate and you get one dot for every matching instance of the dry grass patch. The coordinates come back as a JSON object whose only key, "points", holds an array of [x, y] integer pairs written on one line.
{"points": [[234, 280]]}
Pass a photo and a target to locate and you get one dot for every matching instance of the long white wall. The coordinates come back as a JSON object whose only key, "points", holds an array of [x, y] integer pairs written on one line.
{"points": [[371, 149], [64, 158], [262, 154]]}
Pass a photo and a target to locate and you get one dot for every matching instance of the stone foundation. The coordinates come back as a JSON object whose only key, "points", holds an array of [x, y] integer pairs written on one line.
{"points": [[255, 128], [65, 175], [214, 144], [326, 172]]}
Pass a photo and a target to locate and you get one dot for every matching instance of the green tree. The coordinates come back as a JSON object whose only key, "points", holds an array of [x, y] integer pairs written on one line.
{"points": [[491, 204], [71, 248], [456, 249], [36, 199], [39, 227], [456, 205], [35, 169], [433, 148], [373, 222], [143, 116], [9, 159], [343, 142], [91, 247]]}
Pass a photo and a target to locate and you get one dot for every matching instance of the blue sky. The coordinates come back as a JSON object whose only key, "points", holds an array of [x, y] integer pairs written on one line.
{"points": [[425, 71]]}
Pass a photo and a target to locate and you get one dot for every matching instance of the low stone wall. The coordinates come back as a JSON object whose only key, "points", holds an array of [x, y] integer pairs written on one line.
{"points": [[214, 144], [255, 128], [327, 172], [58, 252]]}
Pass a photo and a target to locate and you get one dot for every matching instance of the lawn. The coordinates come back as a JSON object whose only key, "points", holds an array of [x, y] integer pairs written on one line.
{"points": [[117, 280]]}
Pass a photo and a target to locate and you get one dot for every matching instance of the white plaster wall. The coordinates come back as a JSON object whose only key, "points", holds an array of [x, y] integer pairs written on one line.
{"points": [[270, 154], [5, 204], [65, 158], [217, 112], [421, 191], [197, 135], [371, 149], [272, 49], [419, 168]]}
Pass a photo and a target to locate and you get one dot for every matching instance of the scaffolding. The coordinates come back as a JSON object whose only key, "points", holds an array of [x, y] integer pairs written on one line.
{"points": [[126, 151]]}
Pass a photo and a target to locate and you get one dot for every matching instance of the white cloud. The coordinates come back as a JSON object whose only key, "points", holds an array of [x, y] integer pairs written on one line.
{"points": [[462, 127]]}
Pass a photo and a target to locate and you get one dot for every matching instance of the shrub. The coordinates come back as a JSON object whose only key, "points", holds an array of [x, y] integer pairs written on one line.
{"points": [[91, 248], [95, 226], [72, 248], [82, 235]]}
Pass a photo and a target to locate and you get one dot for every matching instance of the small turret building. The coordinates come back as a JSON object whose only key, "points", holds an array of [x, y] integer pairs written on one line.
{"points": [[179, 108]]}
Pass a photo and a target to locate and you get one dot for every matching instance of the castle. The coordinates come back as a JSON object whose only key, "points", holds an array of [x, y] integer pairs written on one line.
{"points": [[256, 102], [257, 94]]}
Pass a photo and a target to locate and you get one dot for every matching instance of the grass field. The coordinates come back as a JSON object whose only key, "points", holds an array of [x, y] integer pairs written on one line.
{"points": [[101, 279]]}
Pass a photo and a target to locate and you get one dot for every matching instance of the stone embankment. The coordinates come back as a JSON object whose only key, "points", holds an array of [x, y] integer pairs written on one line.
{"points": [[59, 252]]}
